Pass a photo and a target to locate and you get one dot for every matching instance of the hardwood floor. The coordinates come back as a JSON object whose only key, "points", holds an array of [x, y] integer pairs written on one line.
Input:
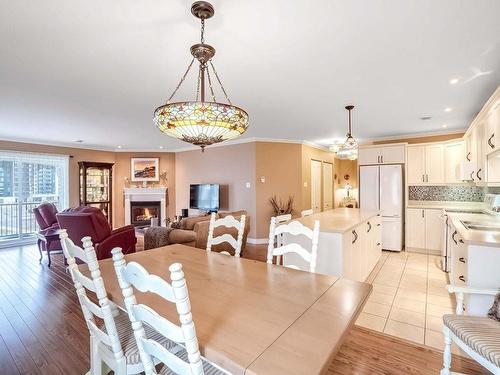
{"points": [[42, 329]]}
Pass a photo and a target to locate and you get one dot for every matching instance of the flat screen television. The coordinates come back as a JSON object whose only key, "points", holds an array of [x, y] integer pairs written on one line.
{"points": [[204, 197]]}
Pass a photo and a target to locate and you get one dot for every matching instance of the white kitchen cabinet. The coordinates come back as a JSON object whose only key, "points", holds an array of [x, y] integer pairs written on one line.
{"points": [[423, 229], [415, 166], [433, 229], [491, 139], [362, 248], [415, 228], [384, 154], [454, 154], [434, 166], [425, 163]]}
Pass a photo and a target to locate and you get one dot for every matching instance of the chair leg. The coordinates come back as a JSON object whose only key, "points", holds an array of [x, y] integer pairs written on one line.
{"points": [[95, 359], [447, 351]]}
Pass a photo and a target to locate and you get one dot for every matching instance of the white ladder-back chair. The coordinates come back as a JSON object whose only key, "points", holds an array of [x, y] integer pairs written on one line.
{"points": [[306, 212], [105, 345], [281, 219], [228, 222], [478, 336], [184, 359], [294, 228]]}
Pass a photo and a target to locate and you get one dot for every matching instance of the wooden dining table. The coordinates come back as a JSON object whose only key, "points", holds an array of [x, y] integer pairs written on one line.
{"points": [[252, 317]]}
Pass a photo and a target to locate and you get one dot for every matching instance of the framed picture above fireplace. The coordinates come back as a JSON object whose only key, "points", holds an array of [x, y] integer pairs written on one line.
{"points": [[144, 169]]}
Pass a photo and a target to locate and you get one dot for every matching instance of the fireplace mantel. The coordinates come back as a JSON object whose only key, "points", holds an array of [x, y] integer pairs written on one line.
{"points": [[146, 195]]}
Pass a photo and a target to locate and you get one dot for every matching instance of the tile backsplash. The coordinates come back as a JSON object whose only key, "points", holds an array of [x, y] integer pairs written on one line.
{"points": [[450, 193]]}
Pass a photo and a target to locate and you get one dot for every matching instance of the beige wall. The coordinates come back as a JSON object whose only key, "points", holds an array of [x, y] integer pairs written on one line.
{"points": [[122, 171], [231, 166], [280, 165], [312, 153]]}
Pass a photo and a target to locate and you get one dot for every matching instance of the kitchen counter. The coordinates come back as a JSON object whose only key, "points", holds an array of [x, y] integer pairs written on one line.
{"points": [[445, 204], [476, 237], [338, 220]]}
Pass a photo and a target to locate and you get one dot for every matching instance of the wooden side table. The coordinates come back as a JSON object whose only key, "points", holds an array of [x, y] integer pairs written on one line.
{"points": [[45, 238]]}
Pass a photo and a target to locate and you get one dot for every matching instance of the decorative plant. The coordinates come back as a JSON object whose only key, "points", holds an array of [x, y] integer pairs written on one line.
{"points": [[281, 208]]}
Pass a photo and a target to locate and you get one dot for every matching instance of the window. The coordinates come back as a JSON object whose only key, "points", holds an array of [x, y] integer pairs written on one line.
{"points": [[26, 180]]}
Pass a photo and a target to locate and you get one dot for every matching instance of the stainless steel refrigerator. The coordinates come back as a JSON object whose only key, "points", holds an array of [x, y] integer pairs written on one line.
{"points": [[381, 189]]}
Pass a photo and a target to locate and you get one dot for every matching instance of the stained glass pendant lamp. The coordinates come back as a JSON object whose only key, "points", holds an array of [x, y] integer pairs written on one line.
{"points": [[349, 149], [201, 122]]}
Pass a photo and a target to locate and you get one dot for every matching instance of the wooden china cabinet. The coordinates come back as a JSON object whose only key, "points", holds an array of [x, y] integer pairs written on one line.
{"points": [[96, 184]]}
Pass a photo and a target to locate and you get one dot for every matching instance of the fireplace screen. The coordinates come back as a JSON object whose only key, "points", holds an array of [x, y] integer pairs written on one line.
{"points": [[143, 212]]}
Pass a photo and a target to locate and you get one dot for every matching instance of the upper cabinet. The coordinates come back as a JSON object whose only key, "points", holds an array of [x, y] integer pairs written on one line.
{"points": [[482, 140], [383, 154], [453, 155], [425, 163]]}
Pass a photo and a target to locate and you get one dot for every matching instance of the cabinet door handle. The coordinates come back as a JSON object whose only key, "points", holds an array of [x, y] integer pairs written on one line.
{"points": [[369, 227], [423, 178], [461, 278], [378, 224], [426, 177], [460, 240], [382, 158], [461, 259], [472, 176], [355, 236], [489, 141], [378, 243], [477, 174], [468, 156], [423, 213], [453, 237]]}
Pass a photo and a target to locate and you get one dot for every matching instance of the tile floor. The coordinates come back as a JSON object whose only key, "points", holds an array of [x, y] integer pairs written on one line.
{"points": [[409, 298]]}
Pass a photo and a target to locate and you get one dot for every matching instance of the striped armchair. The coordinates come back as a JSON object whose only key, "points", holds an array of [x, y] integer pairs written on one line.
{"points": [[478, 336]]}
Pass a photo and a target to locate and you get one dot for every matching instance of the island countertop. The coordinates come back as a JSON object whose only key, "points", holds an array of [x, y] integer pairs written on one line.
{"points": [[338, 220]]}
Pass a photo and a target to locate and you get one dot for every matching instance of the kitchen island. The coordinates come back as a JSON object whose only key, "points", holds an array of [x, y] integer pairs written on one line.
{"points": [[350, 242]]}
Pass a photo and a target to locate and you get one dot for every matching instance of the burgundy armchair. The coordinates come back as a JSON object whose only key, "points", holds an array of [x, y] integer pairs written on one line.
{"points": [[45, 215], [90, 221]]}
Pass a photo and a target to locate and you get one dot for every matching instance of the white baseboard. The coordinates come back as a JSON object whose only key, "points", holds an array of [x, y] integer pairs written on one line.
{"points": [[257, 241]]}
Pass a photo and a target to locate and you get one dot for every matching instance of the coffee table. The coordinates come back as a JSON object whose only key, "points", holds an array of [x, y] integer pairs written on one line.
{"points": [[45, 238]]}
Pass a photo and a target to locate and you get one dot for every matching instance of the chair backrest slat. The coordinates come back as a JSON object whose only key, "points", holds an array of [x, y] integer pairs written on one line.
{"points": [[105, 310], [134, 275], [228, 222], [294, 228], [306, 212], [165, 327], [282, 218]]}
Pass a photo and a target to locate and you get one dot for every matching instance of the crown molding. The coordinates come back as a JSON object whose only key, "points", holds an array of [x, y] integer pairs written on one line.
{"points": [[414, 135]]}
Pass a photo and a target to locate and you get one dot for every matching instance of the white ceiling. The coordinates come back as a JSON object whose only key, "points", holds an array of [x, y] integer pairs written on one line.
{"points": [[96, 70]]}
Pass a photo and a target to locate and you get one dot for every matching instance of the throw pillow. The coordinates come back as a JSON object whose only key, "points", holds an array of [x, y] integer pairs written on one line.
{"points": [[494, 312]]}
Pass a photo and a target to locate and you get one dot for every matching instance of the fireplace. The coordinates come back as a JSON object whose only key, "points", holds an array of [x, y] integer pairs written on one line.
{"points": [[142, 212]]}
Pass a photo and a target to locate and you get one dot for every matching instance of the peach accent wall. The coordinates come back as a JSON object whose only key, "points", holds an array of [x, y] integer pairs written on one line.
{"points": [[231, 166], [280, 165], [122, 171]]}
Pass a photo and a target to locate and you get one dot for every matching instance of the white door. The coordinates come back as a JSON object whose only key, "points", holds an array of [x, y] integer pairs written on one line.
{"points": [[369, 155], [415, 228], [391, 190], [393, 154], [327, 186], [316, 185], [433, 229], [415, 165], [454, 153], [434, 166], [369, 187]]}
